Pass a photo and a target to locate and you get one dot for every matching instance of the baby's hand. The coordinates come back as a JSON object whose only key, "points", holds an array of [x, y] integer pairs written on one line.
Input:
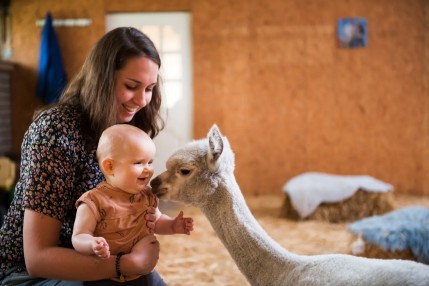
{"points": [[101, 247], [183, 224]]}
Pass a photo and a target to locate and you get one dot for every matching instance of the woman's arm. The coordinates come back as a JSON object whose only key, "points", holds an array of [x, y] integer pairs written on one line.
{"points": [[44, 258]]}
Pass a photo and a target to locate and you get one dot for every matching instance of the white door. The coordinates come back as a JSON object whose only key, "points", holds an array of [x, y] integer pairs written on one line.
{"points": [[170, 33]]}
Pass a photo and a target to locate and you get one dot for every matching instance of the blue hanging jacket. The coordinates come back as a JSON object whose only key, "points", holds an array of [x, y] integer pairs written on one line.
{"points": [[52, 77]]}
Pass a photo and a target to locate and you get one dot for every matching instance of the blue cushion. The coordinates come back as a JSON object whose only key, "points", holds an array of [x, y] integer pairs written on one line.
{"points": [[405, 228]]}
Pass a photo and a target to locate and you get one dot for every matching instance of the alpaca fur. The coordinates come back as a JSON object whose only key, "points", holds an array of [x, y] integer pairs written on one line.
{"points": [[202, 174]]}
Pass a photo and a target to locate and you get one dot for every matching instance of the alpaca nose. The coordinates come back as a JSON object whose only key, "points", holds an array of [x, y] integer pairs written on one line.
{"points": [[155, 183]]}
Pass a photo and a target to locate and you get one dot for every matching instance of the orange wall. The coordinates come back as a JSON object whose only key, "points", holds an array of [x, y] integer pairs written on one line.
{"points": [[270, 74]]}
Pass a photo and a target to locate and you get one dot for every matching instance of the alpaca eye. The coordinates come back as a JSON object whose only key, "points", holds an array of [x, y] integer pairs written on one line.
{"points": [[184, 171]]}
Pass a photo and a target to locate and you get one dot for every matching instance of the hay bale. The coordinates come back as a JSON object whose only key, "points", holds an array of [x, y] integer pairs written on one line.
{"points": [[362, 204], [402, 233], [371, 250]]}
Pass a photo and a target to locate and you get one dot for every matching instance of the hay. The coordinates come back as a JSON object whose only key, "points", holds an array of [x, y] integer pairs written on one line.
{"points": [[362, 204], [402, 233], [201, 259], [375, 251]]}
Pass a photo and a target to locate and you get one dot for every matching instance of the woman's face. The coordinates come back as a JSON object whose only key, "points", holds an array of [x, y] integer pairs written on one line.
{"points": [[133, 85]]}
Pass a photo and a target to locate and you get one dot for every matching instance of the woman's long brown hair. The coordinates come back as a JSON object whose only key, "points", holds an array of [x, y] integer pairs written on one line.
{"points": [[92, 91]]}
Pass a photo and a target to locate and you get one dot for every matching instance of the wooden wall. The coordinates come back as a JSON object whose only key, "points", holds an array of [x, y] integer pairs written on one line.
{"points": [[270, 74]]}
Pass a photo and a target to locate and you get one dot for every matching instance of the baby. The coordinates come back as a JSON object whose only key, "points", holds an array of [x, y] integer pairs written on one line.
{"points": [[110, 219]]}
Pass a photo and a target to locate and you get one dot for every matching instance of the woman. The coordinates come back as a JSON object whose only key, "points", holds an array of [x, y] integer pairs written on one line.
{"points": [[118, 83]]}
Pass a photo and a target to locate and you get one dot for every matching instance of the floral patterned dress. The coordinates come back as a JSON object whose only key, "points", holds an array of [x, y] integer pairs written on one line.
{"points": [[56, 169]]}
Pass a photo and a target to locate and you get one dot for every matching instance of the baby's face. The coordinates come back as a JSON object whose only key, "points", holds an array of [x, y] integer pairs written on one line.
{"points": [[133, 170]]}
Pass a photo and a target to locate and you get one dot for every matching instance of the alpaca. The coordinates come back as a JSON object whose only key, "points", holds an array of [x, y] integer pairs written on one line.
{"points": [[202, 174]]}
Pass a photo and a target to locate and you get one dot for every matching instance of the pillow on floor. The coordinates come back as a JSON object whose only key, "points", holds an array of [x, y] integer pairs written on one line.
{"points": [[405, 228]]}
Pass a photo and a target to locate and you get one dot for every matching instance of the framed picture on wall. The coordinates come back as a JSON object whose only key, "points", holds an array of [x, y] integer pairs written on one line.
{"points": [[352, 32]]}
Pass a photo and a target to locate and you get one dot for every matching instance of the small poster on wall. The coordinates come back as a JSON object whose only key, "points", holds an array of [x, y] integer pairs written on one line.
{"points": [[352, 32]]}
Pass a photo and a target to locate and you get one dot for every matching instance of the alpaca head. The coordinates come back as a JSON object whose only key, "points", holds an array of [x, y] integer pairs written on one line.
{"points": [[195, 171]]}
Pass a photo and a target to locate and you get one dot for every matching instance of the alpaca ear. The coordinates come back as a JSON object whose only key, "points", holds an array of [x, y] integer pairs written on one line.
{"points": [[216, 146]]}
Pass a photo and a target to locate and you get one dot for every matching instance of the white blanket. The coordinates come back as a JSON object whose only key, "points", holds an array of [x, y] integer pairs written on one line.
{"points": [[308, 190]]}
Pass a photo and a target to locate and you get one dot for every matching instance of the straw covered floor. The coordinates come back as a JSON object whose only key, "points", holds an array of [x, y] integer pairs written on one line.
{"points": [[201, 259]]}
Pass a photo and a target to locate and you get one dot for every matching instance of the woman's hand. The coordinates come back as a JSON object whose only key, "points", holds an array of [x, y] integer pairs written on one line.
{"points": [[143, 257], [150, 218]]}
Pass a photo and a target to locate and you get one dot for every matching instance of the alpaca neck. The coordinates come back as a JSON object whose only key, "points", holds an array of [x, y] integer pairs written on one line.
{"points": [[255, 253]]}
